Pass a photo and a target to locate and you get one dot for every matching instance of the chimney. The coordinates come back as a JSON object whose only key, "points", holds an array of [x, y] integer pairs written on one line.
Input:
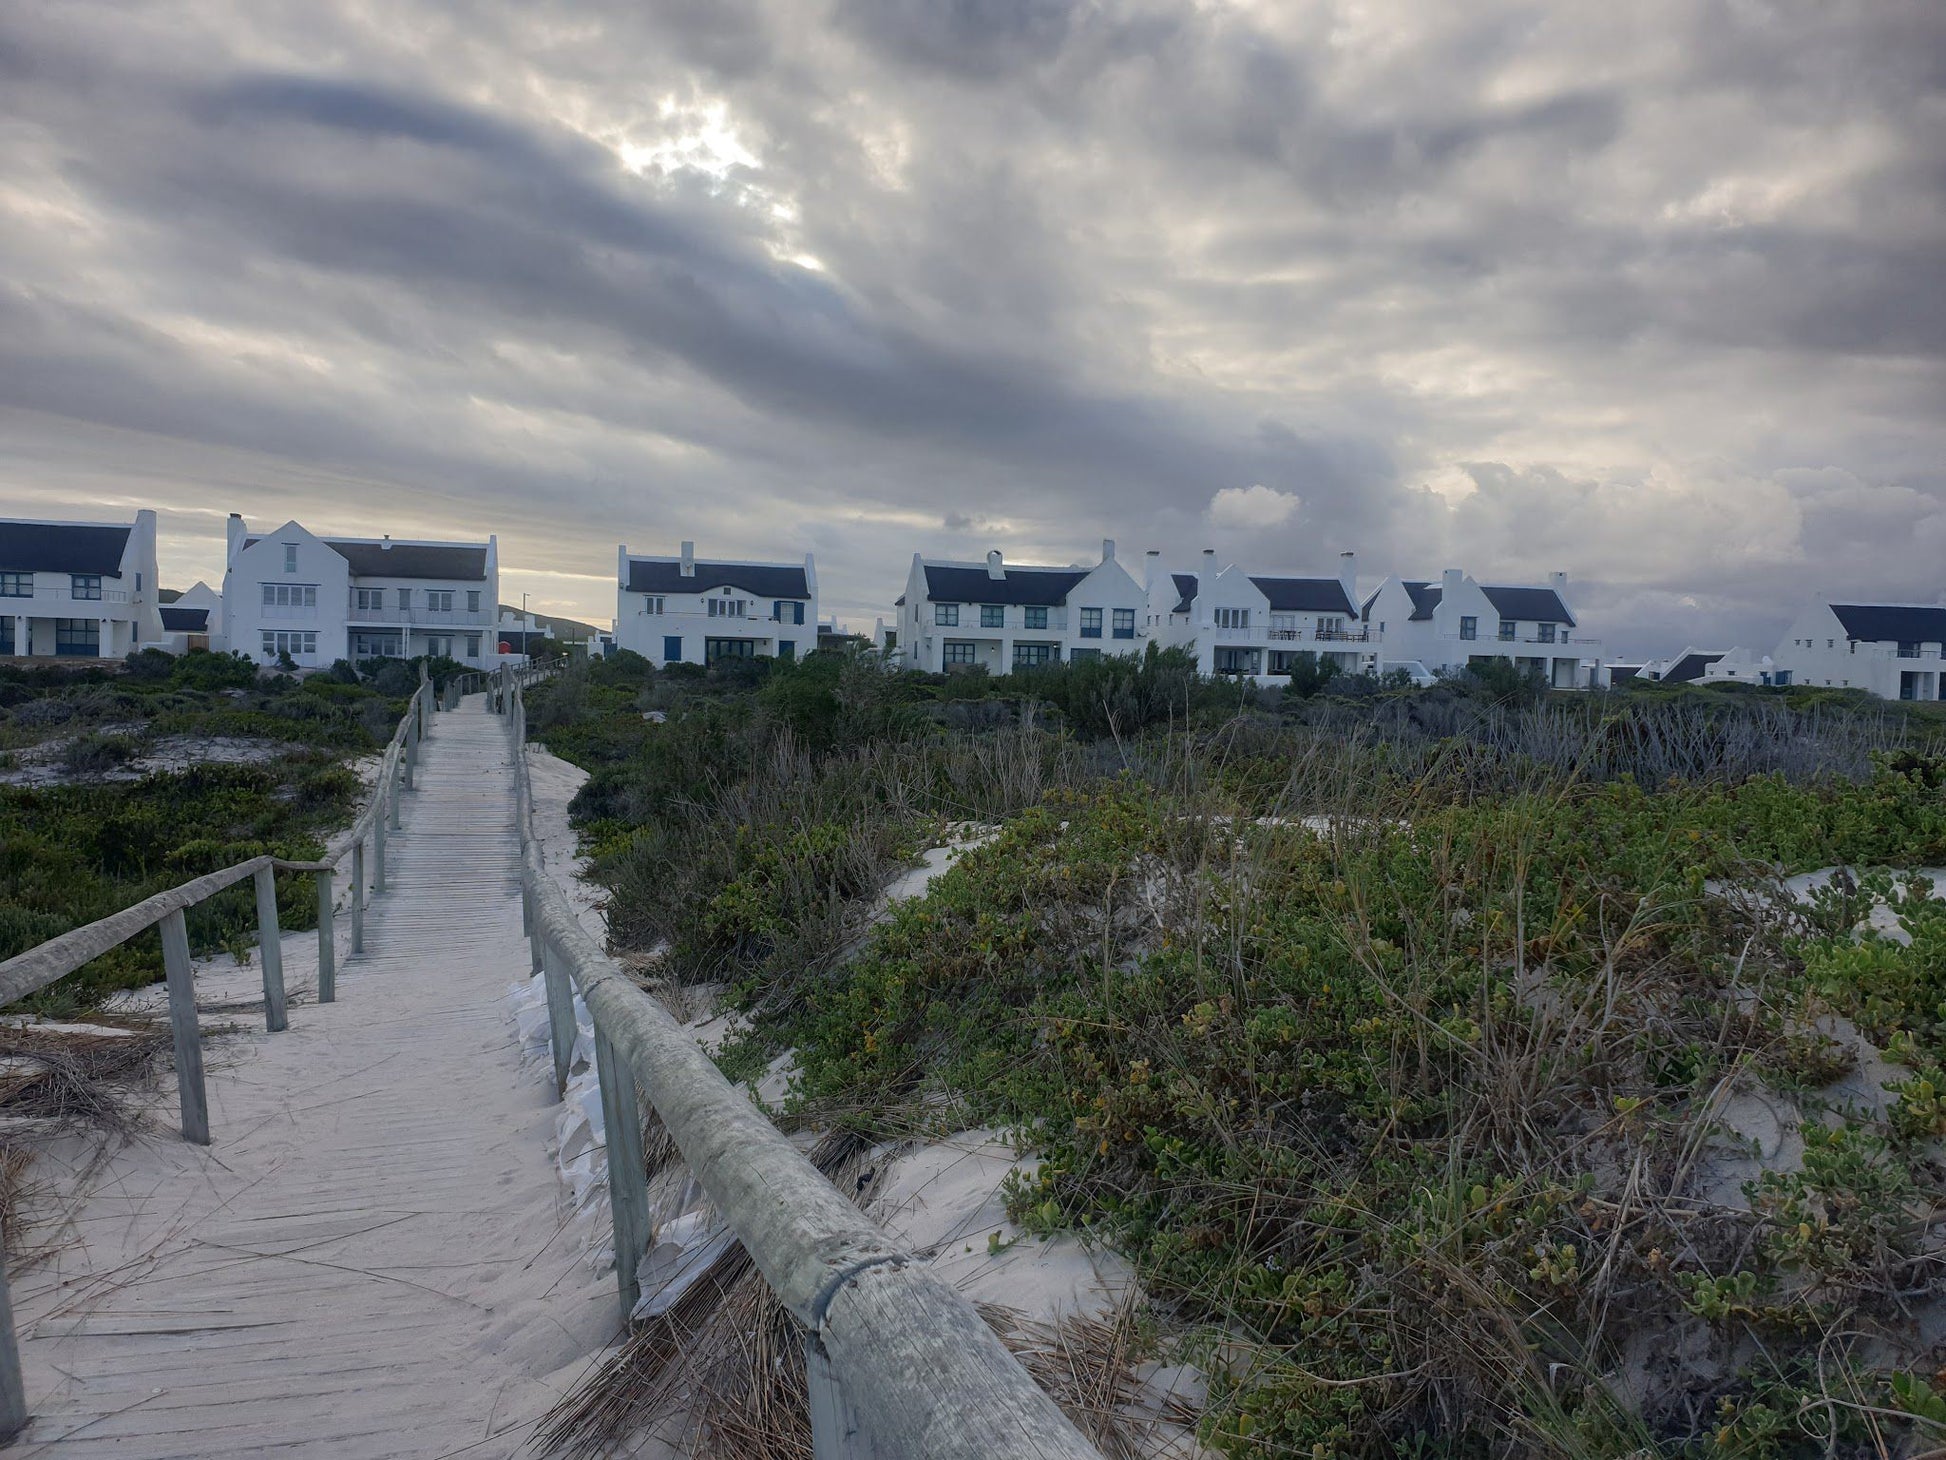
{"points": [[385, 543], [1348, 575], [1449, 584], [1558, 582], [688, 568], [1205, 584], [234, 535], [994, 569], [1108, 549], [1151, 560]]}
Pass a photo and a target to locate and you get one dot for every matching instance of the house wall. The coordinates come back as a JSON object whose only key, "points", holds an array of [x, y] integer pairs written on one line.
{"points": [[124, 616], [646, 628], [1573, 660], [1109, 587], [1815, 651]]}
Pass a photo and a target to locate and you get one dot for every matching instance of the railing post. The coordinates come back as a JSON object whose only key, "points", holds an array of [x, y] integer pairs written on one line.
{"points": [[181, 975], [327, 943], [835, 1431], [378, 845], [13, 1394], [270, 950], [411, 743], [358, 896], [561, 1030], [392, 790], [628, 1182]]}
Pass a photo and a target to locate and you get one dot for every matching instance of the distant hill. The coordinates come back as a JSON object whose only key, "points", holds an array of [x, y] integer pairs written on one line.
{"points": [[561, 628]]}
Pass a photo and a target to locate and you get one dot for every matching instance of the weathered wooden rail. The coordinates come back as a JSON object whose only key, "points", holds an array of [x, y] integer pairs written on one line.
{"points": [[899, 1363], [29, 972]]}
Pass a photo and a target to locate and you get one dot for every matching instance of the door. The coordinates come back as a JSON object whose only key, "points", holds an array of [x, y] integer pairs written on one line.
{"points": [[671, 648]]}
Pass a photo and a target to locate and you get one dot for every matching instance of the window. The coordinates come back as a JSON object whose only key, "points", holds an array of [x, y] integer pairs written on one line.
{"points": [[1124, 623], [440, 646], [439, 600], [1028, 655], [1091, 623], [1469, 627], [85, 585], [294, 642], [472, 600], [729, 607], [672, 648], [6, 633], [285, 599], [1076, 656], [382, 645], [1327, 627], [290, 557], [369, 600], [1236, 661], [961, 651], [787, 612], [16, 585], [993, 616], [1547, 633], [1034, 618], [1233, 618], [1508, 628], [946, 615], [472, 646], [654, 603], [81, 636], [714, 649], [405, 598]]}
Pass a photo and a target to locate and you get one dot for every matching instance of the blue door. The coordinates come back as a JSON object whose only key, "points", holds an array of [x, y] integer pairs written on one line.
{"points": [[671, 648]]}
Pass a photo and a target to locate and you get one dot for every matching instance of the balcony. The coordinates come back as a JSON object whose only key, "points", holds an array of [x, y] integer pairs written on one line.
{"points": [[57, 600], [450, 618]]}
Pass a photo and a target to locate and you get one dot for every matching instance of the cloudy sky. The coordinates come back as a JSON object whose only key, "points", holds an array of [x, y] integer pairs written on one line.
{"points": [[1648, 292]]}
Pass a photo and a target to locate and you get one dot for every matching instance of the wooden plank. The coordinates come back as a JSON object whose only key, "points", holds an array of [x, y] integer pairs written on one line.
{"points": [[327, 941], [628, 1185]]}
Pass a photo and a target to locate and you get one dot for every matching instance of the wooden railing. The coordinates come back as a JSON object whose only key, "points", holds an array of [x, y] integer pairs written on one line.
{"points": [[29, 972], [898, 1362]]}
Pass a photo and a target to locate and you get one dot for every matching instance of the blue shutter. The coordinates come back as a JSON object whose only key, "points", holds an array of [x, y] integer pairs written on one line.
{"points": [[672, 648]]}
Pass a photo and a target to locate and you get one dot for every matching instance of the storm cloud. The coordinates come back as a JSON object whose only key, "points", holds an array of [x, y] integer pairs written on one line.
{"points": [[1647, 295]]}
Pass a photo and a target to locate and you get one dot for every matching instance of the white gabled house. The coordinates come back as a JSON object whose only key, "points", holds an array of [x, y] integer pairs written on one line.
{"points": [[318, 600], [1254, 624], [193, 621], [1000, 616], [1896, 651], [682, 610], [1456, 622], [82, 590]]}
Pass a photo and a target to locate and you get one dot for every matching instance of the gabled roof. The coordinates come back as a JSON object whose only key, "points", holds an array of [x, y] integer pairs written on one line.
{"points": [[1689, 668], [62, 547], [184, 620], [765, 580], [384, 558], [1305, 595], [1035, 587], [1185, 591], [1892, 622], [1623, 673], [1530, 605]]}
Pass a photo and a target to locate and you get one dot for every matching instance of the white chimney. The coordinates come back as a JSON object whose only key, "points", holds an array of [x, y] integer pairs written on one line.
{"points": [[1449, 583], [1558, 581], [1108, 549], [994, 568], [1348, 575], [1205, 586], [235, 533], [688, 568], [1151, 560], [385, 543]]}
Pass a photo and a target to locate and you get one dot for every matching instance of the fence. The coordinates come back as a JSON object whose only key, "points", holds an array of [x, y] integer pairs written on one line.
{"points": [[899, 1363], [29, 972]]}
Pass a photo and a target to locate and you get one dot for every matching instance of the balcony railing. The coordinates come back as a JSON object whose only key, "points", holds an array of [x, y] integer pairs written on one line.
{"points": [[432, 618], [59, 594]]}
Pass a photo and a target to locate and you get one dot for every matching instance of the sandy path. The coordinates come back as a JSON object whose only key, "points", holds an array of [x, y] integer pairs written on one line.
{"points": [[364, 1262]]}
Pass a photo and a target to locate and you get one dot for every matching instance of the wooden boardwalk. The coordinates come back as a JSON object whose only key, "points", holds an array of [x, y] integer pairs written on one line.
{"points": [[368, 1261]]}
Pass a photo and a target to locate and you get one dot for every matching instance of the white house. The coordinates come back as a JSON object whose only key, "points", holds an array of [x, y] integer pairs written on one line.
{"points": [[319, 599], [193, 621], [1894, 650], [77, 589], [1002, 616], [1691, 665], [681, 610], [1456, 622], [1256, 625]]}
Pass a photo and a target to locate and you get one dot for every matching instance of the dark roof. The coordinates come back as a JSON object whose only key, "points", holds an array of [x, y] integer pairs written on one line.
{"points": [[1892, 622], [1530, 605], [55, 547], [1622, 673], [1689, 668], [457, 562], [1305, 595], [657, 575], [1185, 591], [184, 620], [1037, 587]]}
